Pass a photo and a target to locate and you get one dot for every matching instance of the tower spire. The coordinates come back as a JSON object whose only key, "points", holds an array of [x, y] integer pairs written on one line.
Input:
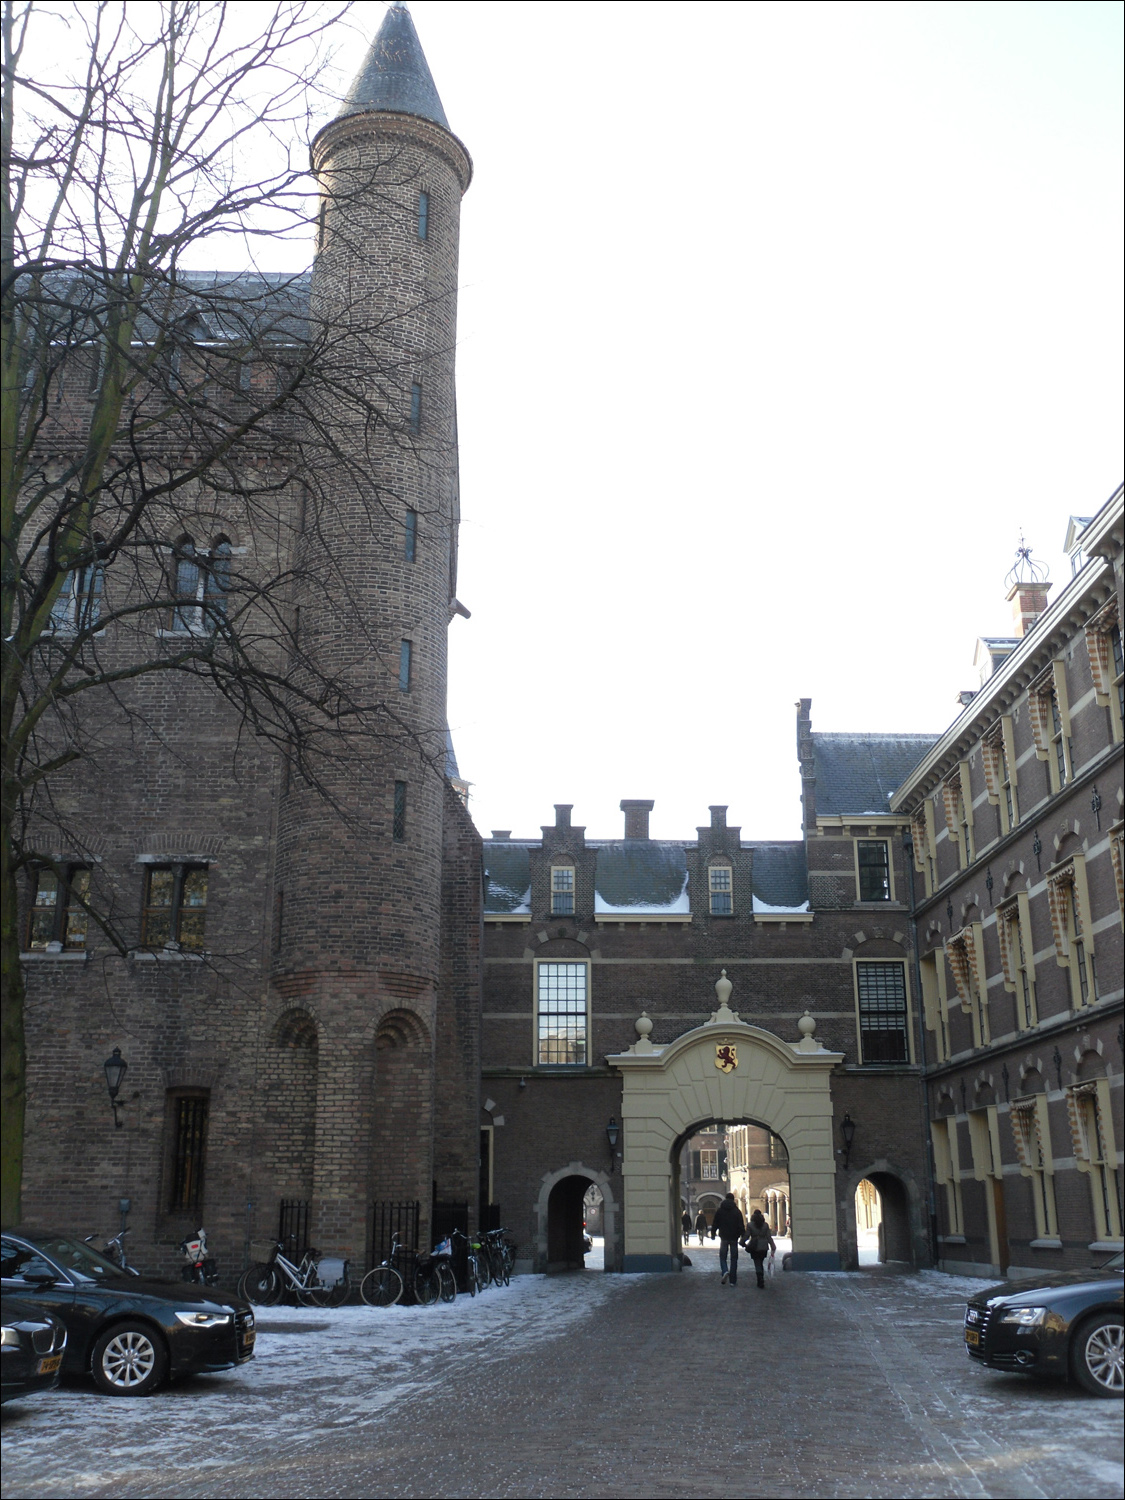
{"points": [[395, 75]]}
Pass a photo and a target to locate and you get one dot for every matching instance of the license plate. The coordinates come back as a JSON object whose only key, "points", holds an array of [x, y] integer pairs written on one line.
{"points": [[972, 1338], [248, 1339], [48, 1366]]}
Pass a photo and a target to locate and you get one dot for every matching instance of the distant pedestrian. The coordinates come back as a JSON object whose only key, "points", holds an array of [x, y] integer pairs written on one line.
{"points": [[730, 1226], [685, 1223], [759, 1242], [701, 1225]]}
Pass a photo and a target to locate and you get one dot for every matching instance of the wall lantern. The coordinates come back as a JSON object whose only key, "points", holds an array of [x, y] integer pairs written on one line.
{"points": [[847, 1130], [612, 1131], [115, 1069]]}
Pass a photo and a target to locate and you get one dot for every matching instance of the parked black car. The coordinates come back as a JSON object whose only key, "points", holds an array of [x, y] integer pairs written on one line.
{"points": [[32, 1351], [130, 1333], [1069, 1324]]}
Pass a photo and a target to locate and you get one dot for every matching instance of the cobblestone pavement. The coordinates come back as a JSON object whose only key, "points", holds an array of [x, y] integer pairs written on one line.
{"points": [[846, 1385]]}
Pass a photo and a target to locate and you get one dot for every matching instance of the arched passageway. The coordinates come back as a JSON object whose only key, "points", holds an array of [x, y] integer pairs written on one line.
{"points": [[882, 1217], [565, 1214], [743, 1157]]}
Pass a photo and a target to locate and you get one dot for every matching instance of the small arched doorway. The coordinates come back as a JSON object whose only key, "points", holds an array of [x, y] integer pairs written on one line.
{"points": [[565, 1215], [882, 1219]]}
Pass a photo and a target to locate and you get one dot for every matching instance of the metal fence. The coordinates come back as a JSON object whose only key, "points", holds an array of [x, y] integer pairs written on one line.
{"points": [[388, 1219], [293, 1226]]}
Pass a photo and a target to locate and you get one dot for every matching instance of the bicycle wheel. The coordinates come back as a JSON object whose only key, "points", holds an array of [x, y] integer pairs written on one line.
{"points": [[471, 1283], [447, 1283], [426, 1286], [330, 1296], [382, 1287], [484, 1270], [260, 1285]]}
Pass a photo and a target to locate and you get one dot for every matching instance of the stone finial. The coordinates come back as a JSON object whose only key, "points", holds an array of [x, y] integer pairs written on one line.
{"points": [[644, 1028], [807, 1027], [724, 1015]]}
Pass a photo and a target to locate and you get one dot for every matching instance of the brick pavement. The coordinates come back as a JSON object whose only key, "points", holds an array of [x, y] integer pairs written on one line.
{"points": [[664, 1386]]}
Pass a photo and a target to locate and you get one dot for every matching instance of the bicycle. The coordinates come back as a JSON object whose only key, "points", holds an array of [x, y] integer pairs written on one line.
{"points": [[433, 1276], [500, 1258], [319, 1281], [476, 1277], [383, 1285], [114, 1250]]}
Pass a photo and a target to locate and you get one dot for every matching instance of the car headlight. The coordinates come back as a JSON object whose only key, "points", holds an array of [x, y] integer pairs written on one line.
{"points": [[11, 1336], [1024, 1317], [203, 1319]]}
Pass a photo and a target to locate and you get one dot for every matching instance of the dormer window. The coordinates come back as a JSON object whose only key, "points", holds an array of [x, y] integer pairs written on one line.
{"points": [[720, 887], [874, 868], [562, 890]]}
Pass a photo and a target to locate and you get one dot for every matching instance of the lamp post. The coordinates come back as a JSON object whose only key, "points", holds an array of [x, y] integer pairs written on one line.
{"points": [[115, 1069], [612, 1131], [847, 1130]]}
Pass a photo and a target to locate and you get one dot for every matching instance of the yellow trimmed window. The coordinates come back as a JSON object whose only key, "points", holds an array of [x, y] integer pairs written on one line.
{"points": [[1050, 724], [720, 886], [1031, 1132], [998, 751], [1091, 1128], [958, 801], [562, 890], [965, 951], [1017, 957], [934, 1003], [947, 1170], [1103, 642], [1069, 900]]}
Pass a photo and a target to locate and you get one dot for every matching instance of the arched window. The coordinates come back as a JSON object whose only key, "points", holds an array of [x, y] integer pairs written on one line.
{"points": [[216, 584], [186, 586], [79, 603]]}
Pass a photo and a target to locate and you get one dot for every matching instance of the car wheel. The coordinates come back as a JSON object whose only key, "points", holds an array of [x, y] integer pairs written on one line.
{"points": [[129, 1360], [1097, 1354]]}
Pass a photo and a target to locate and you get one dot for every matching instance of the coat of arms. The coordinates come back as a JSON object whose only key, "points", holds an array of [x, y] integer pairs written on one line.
{"points": [[726, 1057]]}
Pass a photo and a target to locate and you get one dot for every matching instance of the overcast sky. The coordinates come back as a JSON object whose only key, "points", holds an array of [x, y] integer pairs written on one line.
{"points": [[778, 323]]}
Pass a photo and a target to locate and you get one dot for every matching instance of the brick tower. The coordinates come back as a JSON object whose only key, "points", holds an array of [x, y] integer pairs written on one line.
{"points": [[358, 940]]}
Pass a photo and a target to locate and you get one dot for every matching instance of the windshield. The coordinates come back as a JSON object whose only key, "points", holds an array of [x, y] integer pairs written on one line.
{"points": [[77, 1258]]}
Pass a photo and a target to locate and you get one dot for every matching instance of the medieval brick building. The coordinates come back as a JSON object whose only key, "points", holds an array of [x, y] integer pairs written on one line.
{"points": [[299, 1006]]}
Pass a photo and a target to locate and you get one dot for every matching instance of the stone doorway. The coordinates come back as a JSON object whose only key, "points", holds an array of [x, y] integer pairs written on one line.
{"points": [[884, 1231], [725, 1071]]}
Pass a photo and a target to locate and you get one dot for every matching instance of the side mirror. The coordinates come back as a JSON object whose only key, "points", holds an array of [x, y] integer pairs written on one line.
{"points": [[40, 1278]]}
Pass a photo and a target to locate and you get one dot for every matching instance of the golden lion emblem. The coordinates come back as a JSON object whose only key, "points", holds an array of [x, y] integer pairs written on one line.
{"points": [[726, 1057]]}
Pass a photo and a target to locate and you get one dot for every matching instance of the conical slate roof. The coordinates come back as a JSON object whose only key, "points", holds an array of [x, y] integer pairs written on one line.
{"points": [[395, 75]]}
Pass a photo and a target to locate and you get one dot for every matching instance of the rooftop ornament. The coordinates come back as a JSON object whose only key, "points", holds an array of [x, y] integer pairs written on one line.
{"points": [[1026, 570]]}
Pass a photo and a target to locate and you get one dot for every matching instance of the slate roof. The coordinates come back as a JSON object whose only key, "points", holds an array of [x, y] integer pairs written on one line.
{"points": [[508, 884], [857, 773], [779, 873], [395, 74], [640, 876]]}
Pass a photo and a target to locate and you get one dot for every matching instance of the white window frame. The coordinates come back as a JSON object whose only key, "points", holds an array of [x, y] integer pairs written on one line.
{"points": [[542, 968], [563, 890], [718, 891]]}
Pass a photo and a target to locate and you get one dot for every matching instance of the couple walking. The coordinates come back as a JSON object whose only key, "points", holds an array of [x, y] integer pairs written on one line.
{"points": [[733, 1231]]}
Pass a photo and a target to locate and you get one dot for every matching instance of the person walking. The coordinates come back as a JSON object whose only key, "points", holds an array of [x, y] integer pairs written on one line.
{"points": [[685, 1223], [730, 1226], [701, 1225], [759, 1242]]}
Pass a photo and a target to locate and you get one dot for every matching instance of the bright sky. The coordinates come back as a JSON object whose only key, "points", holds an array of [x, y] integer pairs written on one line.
{"points": [[778, 322]]}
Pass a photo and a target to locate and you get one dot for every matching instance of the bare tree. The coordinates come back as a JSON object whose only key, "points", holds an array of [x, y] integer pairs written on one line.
{"points": [[150, 411]]}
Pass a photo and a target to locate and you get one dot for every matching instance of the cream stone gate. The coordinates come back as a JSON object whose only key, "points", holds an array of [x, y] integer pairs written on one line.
{"points": [[726, 1070]]}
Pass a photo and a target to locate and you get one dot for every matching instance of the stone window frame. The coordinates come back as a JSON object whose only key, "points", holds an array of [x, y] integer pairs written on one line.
{"points": [[717, 893], [1068, 897], [924, 835], [890, 886], [998, 754], [935, 1001], [179, 1197], [705, 1155], [1017, 956], [965, 952], [564, 890], [907, 1030], [1090, 1116], [539, 1013], [1030, 1121], [984, 1143], [1050, 723], [957, 799], [1103, 645], [198, 604], [947, 1171], [66, 875], [180, 869], [1116, 834]]}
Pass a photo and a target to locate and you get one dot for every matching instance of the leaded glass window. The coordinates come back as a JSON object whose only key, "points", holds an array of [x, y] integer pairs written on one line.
{"points": [[874, 870], [882, 1012]]}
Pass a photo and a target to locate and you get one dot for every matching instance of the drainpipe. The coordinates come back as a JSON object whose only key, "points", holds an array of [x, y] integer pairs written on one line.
{"points": [[931, 1171]]}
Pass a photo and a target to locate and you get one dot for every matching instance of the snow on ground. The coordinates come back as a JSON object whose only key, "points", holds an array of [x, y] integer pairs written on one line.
{"points": [[349, 1364]]}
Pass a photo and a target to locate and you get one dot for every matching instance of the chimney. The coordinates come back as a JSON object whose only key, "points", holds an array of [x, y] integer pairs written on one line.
{"points": [[1027, 589], [636, 818], [718, 819], [501, 835], [562, 814]]}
